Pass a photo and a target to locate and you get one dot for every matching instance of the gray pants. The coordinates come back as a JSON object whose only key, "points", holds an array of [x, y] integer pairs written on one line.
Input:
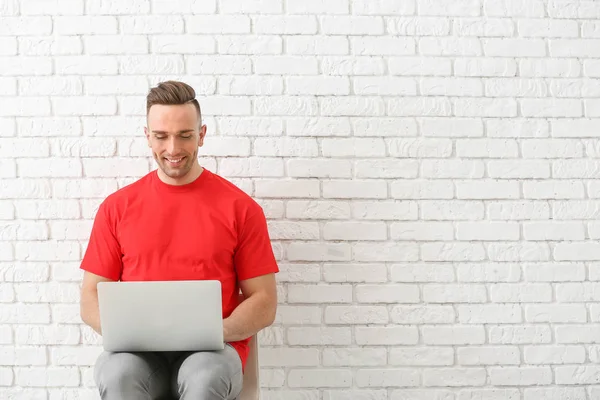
{"points": [[209, 375]]}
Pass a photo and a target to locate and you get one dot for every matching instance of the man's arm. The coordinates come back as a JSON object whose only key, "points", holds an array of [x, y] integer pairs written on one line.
{"points": [[256, 312], [89, 310]]}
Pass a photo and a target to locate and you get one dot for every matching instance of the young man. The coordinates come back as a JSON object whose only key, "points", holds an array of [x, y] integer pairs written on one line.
{"points": [[181, 222]]}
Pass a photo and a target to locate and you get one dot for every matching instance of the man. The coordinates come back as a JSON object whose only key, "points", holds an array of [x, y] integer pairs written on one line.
{"points": [[181, 222]]}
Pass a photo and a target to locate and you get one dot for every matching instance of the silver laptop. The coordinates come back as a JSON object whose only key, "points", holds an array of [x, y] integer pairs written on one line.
{"points": [[161, 315]]}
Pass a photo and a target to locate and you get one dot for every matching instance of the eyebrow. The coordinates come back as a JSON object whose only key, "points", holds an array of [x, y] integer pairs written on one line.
{"points": [[180, 132]]}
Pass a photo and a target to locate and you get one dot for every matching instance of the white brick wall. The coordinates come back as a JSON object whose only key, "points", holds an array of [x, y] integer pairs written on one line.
{"points": [[428, 169]]}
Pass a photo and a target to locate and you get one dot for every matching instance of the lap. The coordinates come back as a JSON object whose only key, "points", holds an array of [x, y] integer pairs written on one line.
{"points": [[174, 371]]}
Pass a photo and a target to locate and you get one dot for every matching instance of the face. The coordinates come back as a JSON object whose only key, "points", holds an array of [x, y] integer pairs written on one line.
{"points": [[174, 134]]}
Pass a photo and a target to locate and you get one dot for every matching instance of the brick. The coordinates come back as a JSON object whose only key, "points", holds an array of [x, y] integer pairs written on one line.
{"points": [[419, 106], [423, 314], [50, 167], [317, 86], [86, 65], [451, 87], [466, 169], [585, 48], [218, 65], [24, 189], [354, 272], [487, 189], [422, 356], [47, 377], [282, 357], [422, 231], [485, 67], [488, 355], [317, 7], [420, 66], [386, 335], [157, 24], [417, 26], [520, 376], [522, 169], [24, 313], [383, 7], [518, 251], [386, 169], [115, 167], [355, 25], [514, 8], [434, 46], [333, 357], [422, 189], [23, 231], [151, 65], [520, 334], [308, 315], [551, 108], [556, 313], [299, 273], [355, 189], [250, 7], [452, 210], [355, 231], [184, 7], [250, 85], [318, 252], [482, 107], [382, 46], [488, 27], [421, 273], [317, 45], [285, 106], [285, 25], [292, 65], [261, 44], [553, 231], [386, 210], [489, 313], [23, 271], [510, 87], [250, 167], [85, 25], [453, 335], [437, 293], [319, 336], [356, 315], [556, 393], [352, 106], [47, 335], [454, 377], [388, 377], [319, 378], [392, 294]]}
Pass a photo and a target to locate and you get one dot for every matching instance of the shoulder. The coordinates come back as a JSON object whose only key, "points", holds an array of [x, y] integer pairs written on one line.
{"points": [[231, 196]]}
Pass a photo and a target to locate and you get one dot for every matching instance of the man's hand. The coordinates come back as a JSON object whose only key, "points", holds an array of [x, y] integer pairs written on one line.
{"points": [[256, 312], [89, 310]]}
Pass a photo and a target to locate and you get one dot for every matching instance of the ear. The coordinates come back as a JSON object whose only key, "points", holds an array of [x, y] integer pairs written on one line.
{"points": [[201, 135], [147, 136]]}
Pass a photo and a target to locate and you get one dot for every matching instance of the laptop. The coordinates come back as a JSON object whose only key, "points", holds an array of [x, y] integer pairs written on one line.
{"points": [[161, 315]]}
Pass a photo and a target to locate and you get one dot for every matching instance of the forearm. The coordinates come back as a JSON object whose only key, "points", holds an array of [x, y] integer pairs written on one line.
{"points": [[90, 311], [252, 315]]}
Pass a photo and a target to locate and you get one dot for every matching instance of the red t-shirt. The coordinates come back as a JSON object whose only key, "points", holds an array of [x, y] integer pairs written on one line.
{"points": [[207, 229]]}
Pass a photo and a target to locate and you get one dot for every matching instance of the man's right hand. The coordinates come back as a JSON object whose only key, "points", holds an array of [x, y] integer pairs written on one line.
{"points": [[89, 310]]}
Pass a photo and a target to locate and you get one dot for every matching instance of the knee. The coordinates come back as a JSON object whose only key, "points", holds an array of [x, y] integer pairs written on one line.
{"points": [[198, 379], [115, 370]]}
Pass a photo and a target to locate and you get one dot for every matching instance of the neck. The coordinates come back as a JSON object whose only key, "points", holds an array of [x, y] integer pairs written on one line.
{"points": [[190, 177]]}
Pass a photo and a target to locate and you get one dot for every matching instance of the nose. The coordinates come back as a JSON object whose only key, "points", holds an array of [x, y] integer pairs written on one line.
{"points": [[172, 146]]}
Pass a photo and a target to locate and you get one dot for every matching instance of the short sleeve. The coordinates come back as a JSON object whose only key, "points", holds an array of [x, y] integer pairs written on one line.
{"points": [[103, 254], [254, 254]]}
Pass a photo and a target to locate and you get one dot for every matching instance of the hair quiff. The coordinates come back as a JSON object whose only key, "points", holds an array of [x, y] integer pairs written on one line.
{"points": [[172, 93]]}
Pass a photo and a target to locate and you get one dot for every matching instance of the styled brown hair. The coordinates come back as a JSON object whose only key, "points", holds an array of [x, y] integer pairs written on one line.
{"points": [[171, 93]]}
